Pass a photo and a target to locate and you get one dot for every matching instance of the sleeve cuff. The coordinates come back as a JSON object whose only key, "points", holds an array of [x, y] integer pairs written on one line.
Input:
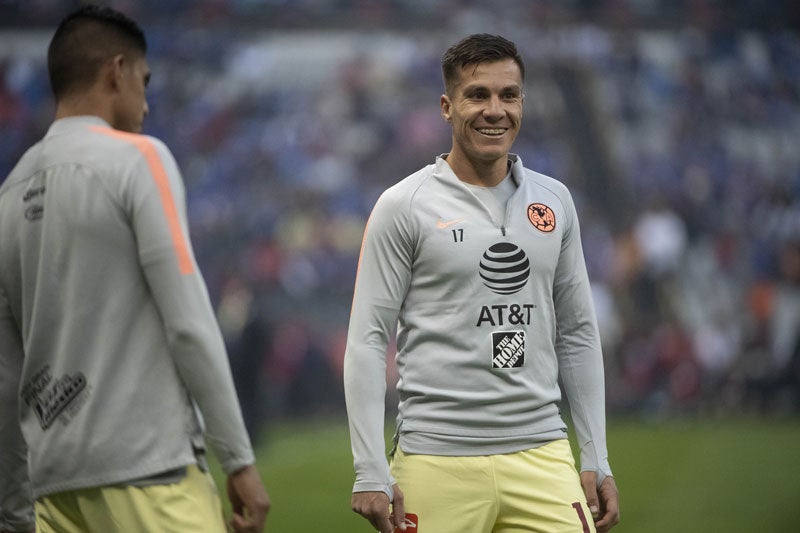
{"points": [[375, 487]]}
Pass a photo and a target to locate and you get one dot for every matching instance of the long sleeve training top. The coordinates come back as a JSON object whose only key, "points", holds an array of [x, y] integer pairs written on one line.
{"points": [[488, 315], [111, 358]]}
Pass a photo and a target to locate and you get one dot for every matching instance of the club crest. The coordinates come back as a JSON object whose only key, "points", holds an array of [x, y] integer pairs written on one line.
{"points": [[542, 217]]}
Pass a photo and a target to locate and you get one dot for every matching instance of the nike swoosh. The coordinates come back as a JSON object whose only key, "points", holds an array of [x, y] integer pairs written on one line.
{"points": [[442, 224]]}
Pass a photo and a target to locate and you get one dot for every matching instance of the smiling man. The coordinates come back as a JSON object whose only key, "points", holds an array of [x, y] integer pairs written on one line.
{"points": [[477, 262]]}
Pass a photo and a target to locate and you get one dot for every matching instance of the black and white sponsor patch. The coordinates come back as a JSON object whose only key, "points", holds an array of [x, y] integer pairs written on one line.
{"points": [[508, 349], [52, 398]]}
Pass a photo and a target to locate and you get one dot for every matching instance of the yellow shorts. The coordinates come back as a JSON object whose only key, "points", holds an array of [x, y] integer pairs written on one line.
{"points": [[535, 490], [193, 505]]}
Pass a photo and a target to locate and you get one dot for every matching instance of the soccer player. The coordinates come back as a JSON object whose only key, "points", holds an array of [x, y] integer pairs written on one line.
{"points": [[478, 261], [112, 364]]}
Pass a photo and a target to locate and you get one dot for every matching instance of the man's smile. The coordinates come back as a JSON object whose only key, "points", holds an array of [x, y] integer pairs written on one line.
{"points": [[492, 132]]}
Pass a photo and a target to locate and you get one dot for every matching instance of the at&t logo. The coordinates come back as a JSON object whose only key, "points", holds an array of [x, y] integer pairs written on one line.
{"points": [[504, 268]]}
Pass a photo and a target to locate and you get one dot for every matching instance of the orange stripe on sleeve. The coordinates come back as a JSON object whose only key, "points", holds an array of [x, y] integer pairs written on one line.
{"points": [[159, 173]]}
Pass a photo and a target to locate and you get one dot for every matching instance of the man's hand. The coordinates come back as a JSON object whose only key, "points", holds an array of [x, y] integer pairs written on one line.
{"points": [[249, 500], [374, 506], [603, 503]]}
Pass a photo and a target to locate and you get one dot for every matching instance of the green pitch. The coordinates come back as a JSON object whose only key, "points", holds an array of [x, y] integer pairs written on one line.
{"points": [[678, 476]]}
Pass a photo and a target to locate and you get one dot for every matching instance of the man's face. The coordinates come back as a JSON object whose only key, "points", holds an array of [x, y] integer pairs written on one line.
{"points": [[132, 108], [485, 110]]}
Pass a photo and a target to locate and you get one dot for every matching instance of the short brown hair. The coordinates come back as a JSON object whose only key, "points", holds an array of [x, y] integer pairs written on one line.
{"points": [[475, 49]]}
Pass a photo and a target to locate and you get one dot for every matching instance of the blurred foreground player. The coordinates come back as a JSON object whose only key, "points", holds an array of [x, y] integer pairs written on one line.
{"points": [[111, 361], [479, 261]]}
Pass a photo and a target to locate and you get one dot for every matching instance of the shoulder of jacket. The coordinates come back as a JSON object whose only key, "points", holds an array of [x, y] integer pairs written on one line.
{"points": [[547, 182], [140, 141], [403, 193]]}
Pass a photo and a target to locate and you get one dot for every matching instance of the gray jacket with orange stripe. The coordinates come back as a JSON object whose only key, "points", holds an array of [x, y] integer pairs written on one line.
{"points": [[489, 314], [108, 339]]}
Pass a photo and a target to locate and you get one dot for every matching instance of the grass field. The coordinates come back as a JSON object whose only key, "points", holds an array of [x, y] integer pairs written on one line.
{"points": [[683, 476]]}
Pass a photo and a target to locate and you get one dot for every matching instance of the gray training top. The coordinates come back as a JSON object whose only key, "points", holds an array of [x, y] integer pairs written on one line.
{"points": [[489, 315], [109, 347]]}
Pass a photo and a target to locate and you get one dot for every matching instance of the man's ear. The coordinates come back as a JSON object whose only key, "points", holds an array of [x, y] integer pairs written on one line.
{"points": [[114, 71], [446, 105]]}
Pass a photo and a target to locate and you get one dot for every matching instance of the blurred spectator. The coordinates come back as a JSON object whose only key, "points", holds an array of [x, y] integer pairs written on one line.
{"points": [[247, 338]]}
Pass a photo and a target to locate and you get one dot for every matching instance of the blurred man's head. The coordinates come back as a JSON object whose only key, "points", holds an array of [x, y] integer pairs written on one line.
{"points": [[100, 45]]}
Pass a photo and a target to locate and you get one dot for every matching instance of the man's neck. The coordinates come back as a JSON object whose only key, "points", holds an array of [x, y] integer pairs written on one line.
{"points": [[81, 105], [482, 173]]}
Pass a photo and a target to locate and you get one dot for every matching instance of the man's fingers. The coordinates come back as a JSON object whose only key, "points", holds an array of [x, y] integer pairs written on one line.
{"points": [[589, 485], [386, 525], [381, 523], [605, 524], [374, 506], [610, 503], [398, 509], [241, 524], [250, 502]]}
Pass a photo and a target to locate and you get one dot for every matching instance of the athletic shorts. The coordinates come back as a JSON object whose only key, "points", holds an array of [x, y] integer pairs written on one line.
{"points": [[192, 504], [536, 490]]}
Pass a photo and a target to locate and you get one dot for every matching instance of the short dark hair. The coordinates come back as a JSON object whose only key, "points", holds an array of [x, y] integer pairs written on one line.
{"points": [[84, 41], [475, 49]]}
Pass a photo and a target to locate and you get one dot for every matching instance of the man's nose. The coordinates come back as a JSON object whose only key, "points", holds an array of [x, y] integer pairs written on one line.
{"points": [[494, 107]]}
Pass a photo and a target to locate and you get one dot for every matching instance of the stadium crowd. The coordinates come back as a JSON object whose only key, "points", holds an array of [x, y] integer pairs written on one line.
{"points": [[678, 140]]}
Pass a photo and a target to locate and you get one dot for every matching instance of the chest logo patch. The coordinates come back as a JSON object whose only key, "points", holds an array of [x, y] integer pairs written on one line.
{"points": [[542, 217], [505, 268], [508, 349]]}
